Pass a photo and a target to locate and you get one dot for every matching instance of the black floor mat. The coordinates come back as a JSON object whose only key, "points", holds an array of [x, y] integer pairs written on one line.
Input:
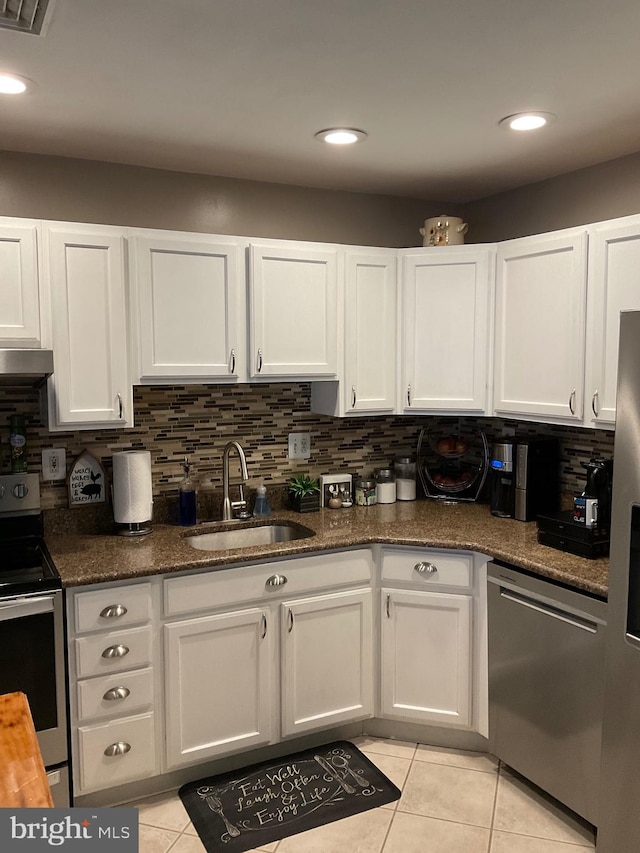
{"points": [[265, 802]]}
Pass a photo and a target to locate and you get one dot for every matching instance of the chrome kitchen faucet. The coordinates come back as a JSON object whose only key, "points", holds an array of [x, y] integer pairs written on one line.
{"points": [[229, 506]]}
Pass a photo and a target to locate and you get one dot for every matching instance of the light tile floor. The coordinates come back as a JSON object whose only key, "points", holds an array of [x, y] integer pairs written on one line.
{"points": [[452, 802]]}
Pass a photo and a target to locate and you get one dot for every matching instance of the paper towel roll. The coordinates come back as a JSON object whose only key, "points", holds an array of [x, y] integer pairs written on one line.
{"points": [[132, 493]]}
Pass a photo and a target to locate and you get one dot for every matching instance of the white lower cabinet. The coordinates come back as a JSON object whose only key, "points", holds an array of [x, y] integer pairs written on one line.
{"points": [[219, 685], [327, 653], [433, 644], [114, 722], [426, 657]]}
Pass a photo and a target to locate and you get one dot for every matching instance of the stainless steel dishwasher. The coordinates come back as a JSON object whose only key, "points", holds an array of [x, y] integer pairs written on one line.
{"points": [[546, 668]]}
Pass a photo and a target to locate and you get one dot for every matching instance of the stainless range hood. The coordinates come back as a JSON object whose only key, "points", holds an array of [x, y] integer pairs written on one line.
{"points": [[25, 367]]}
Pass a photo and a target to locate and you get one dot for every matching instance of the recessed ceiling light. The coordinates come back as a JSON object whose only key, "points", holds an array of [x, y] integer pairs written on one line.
{"points": [[526, 121], [340, 135], [13, 84]]}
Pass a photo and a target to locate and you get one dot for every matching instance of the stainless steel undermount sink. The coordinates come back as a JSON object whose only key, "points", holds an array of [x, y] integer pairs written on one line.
{"points": [[248, 537]]}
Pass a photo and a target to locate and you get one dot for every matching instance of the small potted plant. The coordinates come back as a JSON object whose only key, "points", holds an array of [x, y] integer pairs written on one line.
{"points": [[304, 493]]}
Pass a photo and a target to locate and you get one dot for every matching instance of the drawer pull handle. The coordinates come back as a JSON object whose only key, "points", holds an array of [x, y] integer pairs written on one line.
{"points": [[118, 651], [116, 693], [119, 748], [290, 618], [276, 580], [388, 606], [113, 610], [264, 626], [425, 568]]}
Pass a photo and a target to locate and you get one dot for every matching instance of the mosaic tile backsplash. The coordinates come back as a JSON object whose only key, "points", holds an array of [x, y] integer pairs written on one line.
{"points": [[198, 420]]}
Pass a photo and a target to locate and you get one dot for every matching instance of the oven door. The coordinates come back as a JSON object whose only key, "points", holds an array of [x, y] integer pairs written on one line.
{"points": [[32, 661]]}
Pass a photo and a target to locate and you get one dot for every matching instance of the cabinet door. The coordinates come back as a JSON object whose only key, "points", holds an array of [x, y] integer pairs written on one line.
{"points": [[19, 300], [540, 326], [86, 276], [445, 330], [188, 292], [218, 685], [370, 332], [293, 314], [614, 286], [327, 675], [426, 657]]}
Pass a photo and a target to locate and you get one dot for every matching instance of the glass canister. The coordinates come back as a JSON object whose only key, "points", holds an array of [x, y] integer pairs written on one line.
{"points": [[405, 470], [18, 444], [385, 486], [365, 492]]}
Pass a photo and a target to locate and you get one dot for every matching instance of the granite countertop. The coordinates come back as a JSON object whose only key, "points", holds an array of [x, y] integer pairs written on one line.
{"points": [[84, 558]]}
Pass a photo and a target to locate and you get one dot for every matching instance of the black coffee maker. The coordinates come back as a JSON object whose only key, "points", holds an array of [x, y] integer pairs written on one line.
{"points": [[598, 487]]}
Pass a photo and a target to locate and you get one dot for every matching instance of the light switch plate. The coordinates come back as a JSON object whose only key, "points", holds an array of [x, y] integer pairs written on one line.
{"points": [[299, 445], [54, 463]]}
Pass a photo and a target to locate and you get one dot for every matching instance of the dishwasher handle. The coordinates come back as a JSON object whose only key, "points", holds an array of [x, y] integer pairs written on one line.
{"points": [[549, 610]]}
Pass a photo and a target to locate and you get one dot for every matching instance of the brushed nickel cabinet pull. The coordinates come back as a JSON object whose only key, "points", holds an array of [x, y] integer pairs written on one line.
{"points": [[353, 397], [264, 626], [572, 402], [113, 611], [116, 693], [290, 620], [425, 568], [408, 395], [594, 403], [120, 407], [259, 361], [119, 748], [118, 651], [233, 361], [276, 580], [388, 606]]}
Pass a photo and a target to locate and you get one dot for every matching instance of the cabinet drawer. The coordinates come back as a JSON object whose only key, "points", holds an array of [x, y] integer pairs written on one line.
{"points": [[108, 609], [124, 650], [215, 589], [427, 568], [134, 736], [116, 694]]}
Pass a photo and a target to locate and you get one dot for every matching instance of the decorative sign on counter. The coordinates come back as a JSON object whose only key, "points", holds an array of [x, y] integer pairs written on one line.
{"points": [[87, 482], [242, 810]]}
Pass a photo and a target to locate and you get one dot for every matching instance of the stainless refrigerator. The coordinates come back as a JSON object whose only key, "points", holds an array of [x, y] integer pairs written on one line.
{"points": [[619, 812]]}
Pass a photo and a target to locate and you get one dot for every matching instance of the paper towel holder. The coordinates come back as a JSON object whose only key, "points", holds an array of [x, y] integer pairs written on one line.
{"points": [[132, 508]]}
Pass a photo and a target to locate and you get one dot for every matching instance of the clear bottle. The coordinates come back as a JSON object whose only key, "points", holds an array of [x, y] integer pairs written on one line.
{"points": [[187, 503], [261, 506], [18, 444]]}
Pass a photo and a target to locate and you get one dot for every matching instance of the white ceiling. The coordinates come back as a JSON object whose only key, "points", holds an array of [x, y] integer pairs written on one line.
{"points": [[239, 87]]}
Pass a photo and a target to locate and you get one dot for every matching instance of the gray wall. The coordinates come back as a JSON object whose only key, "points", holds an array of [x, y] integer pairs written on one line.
{"points": [[43, 187], [588, 195]]}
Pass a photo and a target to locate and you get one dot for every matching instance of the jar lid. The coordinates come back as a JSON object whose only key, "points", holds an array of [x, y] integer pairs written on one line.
{"points": [[365, 484], [384, 473], [404, 460]]}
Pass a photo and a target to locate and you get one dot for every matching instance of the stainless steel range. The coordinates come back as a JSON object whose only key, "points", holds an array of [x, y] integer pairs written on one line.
{"points": [[32, 624]]}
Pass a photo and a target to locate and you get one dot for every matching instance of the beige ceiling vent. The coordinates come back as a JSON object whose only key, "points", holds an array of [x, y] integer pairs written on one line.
{"points": [[25, 16]]}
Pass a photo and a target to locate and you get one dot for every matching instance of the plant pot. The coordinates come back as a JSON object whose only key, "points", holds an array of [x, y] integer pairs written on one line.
{"points": [[305, 503]]}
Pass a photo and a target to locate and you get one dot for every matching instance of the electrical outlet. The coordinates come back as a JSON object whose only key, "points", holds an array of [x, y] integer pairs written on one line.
{"points": [[299, 445], [54, 463]]}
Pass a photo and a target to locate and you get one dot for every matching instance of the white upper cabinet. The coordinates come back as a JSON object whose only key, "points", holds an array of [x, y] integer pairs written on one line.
{"points": [[614, 286], [368, 384], [190, 304], [86, 278], [293, 310], [540, 327], [19, 294], [445, 303]]}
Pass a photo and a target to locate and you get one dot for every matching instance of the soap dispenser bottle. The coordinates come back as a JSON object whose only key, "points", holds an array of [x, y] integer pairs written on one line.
{"points": [[187, 505], [261, 506]]}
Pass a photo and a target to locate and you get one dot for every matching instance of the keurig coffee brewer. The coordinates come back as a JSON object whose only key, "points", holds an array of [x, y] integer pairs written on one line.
{"points": [[501, 479]]}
